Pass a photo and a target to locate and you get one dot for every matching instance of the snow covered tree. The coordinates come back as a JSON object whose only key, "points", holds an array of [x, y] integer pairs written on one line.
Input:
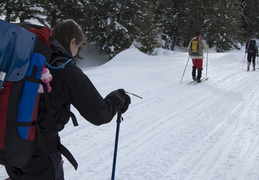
{"points": [[146, 37], [250, 18], [114, 25], [110, 28], [165, 18], [20, 11], [117, 24], [187, 17], [58, 10], [223, 25]]}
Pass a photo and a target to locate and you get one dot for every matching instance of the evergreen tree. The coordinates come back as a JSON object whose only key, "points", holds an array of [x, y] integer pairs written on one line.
{"points": [[109, 30], [250, 18], [188, 17], [147, 37], [223, 25], [117, 24], [58, 10], [19, 11], [114, 25], [165, 18]]}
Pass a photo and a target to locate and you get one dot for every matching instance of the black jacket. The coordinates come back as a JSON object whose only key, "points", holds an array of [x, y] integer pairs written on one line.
{"points": [[71, 86]]}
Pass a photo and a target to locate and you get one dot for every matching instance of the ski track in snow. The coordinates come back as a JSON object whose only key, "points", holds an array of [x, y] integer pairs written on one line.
{"points": [[207, 131]]}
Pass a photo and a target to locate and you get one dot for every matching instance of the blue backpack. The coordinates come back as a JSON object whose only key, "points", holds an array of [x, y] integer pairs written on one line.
{"points": [[252, 46], [25, 49], [20, 77]]}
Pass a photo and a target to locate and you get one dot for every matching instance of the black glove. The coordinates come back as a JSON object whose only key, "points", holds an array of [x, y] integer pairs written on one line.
{"points": [[122, 98]]}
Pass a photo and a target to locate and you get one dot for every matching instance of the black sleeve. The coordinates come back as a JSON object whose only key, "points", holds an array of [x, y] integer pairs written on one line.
{"points": [[77, 88]]}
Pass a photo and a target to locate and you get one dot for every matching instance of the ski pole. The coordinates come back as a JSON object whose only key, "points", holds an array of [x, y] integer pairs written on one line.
{"points": [[185, 69], [207, 64], [134, 95], [119, 119], [244, 60]]}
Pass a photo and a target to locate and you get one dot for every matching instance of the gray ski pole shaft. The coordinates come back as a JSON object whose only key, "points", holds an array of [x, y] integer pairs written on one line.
{"points": [[244, 60], [185, 69], [207, 64], [116, 144]]}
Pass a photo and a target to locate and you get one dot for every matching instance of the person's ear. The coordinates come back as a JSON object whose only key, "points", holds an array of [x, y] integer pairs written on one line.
{"points": [[73, 41]]}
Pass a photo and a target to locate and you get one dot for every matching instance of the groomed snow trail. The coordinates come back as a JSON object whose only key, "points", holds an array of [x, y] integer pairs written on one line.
{"points": [[207, 131]]}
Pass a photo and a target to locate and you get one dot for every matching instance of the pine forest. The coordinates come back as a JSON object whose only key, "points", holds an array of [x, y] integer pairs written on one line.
{"points": [[115, 25]]}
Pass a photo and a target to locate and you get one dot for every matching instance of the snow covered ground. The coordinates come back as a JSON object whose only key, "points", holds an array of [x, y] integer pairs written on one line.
{"points": [[208, 131]]}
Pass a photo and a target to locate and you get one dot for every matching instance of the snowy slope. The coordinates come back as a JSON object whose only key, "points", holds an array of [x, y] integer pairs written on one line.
{"points": [[207, 131]]}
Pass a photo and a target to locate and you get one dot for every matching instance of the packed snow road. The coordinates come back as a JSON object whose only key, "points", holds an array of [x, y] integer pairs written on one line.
{"points": [[207, 131]]}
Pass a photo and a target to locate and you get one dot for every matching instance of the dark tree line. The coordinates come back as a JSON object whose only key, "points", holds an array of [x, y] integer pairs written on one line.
{"points": [[115, 25]]}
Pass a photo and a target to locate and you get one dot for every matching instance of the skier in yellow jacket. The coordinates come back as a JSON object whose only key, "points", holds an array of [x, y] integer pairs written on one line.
{"points": [[195, 49]]}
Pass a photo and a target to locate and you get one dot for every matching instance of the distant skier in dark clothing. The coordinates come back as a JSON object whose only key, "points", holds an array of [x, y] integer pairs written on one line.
{"points": [[252, 52], [70, 86], [195, 50]]}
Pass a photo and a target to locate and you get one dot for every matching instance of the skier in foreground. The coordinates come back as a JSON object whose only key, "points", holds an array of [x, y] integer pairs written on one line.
{"points": [[69, 86]]}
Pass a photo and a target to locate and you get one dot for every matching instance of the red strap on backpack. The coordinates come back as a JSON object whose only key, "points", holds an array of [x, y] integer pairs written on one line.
{"points": [[4, 96]]}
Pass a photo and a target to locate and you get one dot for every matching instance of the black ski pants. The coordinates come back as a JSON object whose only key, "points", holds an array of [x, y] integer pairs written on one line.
{"points": [[40, 167], [251, 58]]}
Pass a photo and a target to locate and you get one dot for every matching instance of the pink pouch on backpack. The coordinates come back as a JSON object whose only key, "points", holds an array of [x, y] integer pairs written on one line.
{"points": [[46, 77]]}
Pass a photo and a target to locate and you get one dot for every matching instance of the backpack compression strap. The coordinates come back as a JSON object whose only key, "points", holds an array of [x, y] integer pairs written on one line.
{"points": [[49, 122]]}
